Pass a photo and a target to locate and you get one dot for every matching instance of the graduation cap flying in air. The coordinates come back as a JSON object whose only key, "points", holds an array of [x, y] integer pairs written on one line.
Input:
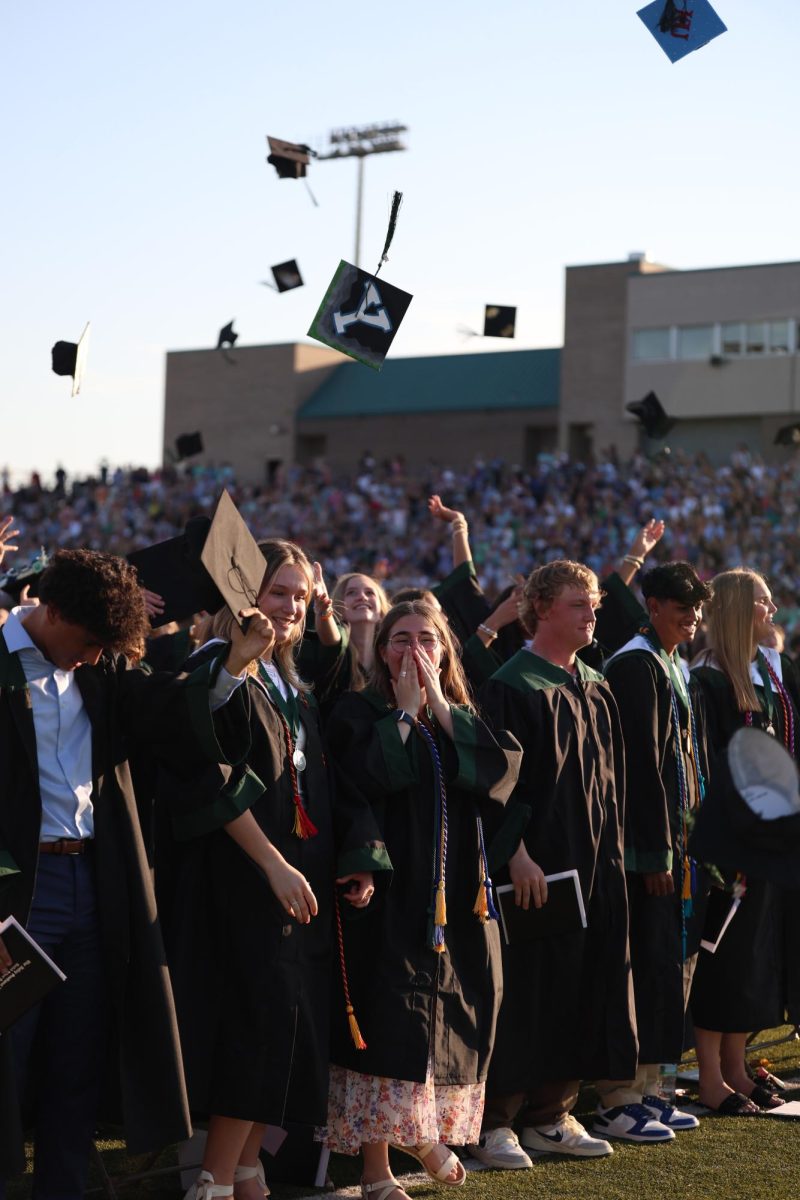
{"points": [[286, 275], [499, 321], [290, 159], [226, 336], [750, 819], [69, 358], [650, 414], [788, 435], [212, 563], [359, 313], [187, 445], [681, 26]]}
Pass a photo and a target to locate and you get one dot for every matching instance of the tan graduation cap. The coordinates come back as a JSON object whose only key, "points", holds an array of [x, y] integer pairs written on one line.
{"points": [[232, 558]]}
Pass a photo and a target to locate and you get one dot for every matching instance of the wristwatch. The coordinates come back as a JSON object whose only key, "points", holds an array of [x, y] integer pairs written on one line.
{"points": [[402, 715]]}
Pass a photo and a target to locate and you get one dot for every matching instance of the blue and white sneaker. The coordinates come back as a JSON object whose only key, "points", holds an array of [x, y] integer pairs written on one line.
{"points": [[667, 1114], [631, 1123]]}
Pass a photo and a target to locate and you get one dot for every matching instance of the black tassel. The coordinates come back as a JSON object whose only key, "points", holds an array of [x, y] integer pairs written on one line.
{"points": [[667, 19], [397, 200]]}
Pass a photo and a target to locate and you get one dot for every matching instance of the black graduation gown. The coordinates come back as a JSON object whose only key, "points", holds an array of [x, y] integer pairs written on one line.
{"points": [[251, 984], [568, 1010], [751, 982], [170, 717], [662, 975], [411, 1001]]}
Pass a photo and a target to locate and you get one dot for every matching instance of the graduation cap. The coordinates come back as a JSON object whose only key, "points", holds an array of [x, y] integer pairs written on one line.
{"points": [[287, 276], [290, 159], [19, 577], [680, 29], [69, 358], [750, 820], [187, 445], [650, 414], [232, 558], [212, 563], [499, 321], [359, 313], [226, 336], [788, 435], [173, 570]]}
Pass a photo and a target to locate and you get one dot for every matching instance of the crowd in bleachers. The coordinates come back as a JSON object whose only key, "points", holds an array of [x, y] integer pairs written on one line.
{"points": [[376, 520]]}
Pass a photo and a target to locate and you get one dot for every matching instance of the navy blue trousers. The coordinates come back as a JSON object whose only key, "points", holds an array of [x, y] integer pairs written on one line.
{"points": [[59, 1047]]}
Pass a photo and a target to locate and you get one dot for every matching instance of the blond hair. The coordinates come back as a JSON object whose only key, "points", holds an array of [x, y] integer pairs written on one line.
{"points": [[731, 631], [545, 583], [337, 595]]}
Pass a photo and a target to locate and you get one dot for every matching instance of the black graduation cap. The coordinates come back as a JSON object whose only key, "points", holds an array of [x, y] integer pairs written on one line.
{"points": [[226, 335], [360, 315], [287, 276], [25, 576], [499, 321], [290, 159], [650, 414], [750, 819], [232, 558], [173, 570], [187, 445], [788, 435], [69, 358]]}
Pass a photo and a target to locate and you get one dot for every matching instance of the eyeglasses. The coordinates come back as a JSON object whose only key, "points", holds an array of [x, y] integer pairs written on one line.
{"points": [[402, 641]]}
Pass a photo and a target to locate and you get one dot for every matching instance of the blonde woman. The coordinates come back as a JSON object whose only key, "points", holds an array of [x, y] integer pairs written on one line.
{"points": [[251, 928], [742, 986]]}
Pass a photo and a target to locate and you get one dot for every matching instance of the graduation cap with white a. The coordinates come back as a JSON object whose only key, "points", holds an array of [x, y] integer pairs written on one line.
{"points": [[681, 26], [69, 358], [360, 314]]}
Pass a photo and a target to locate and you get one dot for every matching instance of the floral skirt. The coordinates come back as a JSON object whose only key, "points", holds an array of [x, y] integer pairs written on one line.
{"points": [[369, 1108]]}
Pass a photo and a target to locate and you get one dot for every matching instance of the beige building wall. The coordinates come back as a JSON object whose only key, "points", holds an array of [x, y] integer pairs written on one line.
{"points": [[243, 401], [454, 439], [754, 386], [594, 356]]}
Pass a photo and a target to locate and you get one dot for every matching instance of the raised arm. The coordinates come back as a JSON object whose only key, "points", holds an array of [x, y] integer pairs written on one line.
{"points": [[458, 528]]}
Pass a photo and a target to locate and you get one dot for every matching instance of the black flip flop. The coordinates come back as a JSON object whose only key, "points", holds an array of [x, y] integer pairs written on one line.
{"points": [[736, 1105]]}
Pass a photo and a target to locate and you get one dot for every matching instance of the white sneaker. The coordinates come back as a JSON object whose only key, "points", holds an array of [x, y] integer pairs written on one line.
{"points": [[500, 1148], [567, 1136], [631, 1123]]}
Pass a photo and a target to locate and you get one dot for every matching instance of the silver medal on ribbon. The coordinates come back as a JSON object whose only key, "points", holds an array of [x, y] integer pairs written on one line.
{"points": [[299, 760]]}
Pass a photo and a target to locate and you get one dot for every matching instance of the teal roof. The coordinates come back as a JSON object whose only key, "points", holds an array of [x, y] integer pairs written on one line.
{"points": [[442, 383]]}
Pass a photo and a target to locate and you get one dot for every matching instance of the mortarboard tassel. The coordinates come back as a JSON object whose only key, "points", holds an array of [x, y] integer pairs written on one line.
{"points": [[484, 907], [396, 202], [355, 1032], [667, 18]]}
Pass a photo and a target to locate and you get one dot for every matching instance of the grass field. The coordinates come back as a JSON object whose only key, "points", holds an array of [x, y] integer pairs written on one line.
{"points": [[727, 1158]]}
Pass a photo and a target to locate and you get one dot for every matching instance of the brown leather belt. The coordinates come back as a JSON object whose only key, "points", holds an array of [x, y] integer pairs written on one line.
{"points": [[65, 846]]}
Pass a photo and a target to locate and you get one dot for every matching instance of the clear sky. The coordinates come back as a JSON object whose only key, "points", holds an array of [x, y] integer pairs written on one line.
{"points": [[136, 194]]}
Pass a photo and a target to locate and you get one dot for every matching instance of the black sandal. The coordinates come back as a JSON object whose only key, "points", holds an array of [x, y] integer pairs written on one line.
{"points": [[764, 1097], [736, 1105]]}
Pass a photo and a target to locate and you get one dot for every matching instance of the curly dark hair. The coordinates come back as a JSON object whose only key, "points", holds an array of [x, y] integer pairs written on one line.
{"points": [[101, 593], [675, 581]]}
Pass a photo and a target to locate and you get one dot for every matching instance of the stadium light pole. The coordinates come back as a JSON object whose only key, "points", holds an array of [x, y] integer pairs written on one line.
{"points": [[358, 142]]}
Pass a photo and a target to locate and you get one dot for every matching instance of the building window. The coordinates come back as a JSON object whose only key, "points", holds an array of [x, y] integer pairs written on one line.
{"points": [[755, 341], [651, 343], [732, 340], [695, 341], [778, 337]]}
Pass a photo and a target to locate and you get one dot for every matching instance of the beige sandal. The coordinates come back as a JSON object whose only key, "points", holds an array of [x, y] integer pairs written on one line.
{"points": [[387, 1185], [256, 1172], [438, 1174]]}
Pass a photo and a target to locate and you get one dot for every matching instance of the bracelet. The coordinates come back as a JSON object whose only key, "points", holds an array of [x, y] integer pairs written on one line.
{"points": [[490, 633], [633, 560], [459, 525], [324, 614], [402, 715]]}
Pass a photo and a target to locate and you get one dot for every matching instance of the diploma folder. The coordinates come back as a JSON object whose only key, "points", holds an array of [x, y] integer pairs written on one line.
{"points": [[563, 912], [32, 974]]}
